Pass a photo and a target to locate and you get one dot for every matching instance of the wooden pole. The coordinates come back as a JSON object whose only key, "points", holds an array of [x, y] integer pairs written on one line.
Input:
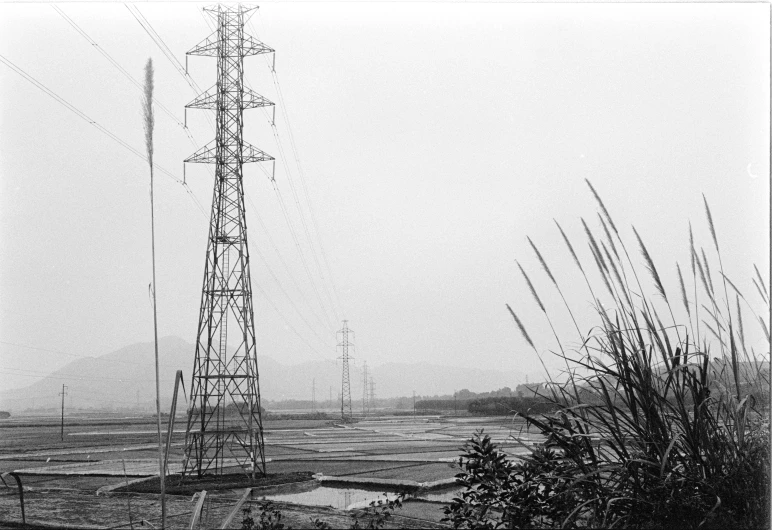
{"points": [[63, 394]]}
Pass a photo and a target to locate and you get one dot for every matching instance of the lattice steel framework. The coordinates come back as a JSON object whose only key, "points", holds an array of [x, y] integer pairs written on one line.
{"points": [[224, 423], [345, 394], [364, 391]]}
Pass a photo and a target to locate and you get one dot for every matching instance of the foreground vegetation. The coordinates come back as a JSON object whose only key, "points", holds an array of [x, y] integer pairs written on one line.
{"points": [[657, 426]]}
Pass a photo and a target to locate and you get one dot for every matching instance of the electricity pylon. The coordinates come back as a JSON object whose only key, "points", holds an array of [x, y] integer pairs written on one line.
{"points": [[224, 418], [345, 394], [371, 390], [364, 391]]}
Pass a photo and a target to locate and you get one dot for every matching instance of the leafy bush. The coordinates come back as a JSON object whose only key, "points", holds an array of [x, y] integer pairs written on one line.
{"points": [[658, 426], [269, 518]]}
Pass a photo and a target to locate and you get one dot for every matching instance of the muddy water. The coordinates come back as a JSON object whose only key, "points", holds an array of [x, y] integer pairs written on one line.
{"points": [[350, 498], [340, 498]]}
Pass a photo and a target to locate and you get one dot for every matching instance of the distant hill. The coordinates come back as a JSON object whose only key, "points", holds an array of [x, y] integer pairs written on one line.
{"points": [[126, 379]]}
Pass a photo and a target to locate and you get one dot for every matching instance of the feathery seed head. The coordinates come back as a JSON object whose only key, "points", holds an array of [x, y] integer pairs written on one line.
{"points": [[608, 237], [650, 266], [147, 107], [710, 221], [570, 247], [683, 290], [530, 286], [602, 206], [521, 328], [543, 263], [707, 269]]}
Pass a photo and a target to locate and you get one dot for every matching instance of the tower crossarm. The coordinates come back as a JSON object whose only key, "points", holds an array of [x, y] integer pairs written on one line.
{"points": [[252, 46], [249, 46], [250, 100], [208, 154]]}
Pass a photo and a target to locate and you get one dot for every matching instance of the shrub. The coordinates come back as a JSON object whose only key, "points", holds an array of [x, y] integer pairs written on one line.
{"points": [[657, 426], [498, 492], [269, 518]]}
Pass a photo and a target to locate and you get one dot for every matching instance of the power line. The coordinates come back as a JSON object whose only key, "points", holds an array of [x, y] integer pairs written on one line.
{"points": [[285, 112], [140, 87], [270, 271], [124, 144], [87, 119], [300, 251], [288, 173], [301, 337], [309, 204], [296, 240], [158, 40], [107, 56], [281, 258]]}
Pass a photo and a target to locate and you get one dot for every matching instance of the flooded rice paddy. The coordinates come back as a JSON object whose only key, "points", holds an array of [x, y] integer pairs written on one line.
{"points": [[353, 465]]}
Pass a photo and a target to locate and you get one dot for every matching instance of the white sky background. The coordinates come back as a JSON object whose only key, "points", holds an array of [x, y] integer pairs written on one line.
{"points": [[434, 137]]}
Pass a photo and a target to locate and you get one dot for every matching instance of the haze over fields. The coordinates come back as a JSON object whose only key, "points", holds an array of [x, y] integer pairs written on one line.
{"points": [[418, 146], [125, 378]]}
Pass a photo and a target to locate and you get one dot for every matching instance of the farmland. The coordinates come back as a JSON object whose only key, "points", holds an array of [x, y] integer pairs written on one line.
{"points": [[333, 469]]}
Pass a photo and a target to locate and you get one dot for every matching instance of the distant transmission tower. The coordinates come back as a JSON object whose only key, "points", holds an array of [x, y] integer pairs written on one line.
{"points": [[345, 394], [371, 388], [364, 391], [224, 423]]}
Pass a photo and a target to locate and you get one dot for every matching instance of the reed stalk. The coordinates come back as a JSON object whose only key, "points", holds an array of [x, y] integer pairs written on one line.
{"points": [[149, 123], [681, 432]]}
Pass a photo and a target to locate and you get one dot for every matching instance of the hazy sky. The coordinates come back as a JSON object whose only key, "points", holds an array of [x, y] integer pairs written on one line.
{"points": [[433, 138]]}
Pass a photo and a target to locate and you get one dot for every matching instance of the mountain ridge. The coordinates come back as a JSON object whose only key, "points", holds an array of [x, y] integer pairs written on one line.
{"points": [[125, 378]]}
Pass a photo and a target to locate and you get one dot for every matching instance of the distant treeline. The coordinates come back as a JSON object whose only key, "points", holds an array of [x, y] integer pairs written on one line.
{"points": [[510, 405], [459, 401], [488, 405], [443, 404]]}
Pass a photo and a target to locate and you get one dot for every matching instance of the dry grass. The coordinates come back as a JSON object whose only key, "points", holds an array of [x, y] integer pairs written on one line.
{"points": [[668, 425]]}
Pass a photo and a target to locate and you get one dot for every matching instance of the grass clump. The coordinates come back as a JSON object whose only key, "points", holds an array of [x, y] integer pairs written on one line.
{"points": [[658, 425]]}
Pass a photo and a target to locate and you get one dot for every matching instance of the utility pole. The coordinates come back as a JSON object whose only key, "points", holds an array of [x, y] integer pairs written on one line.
{"points": [[455, 395], [413, 402], [345, 392], [63, 393], [225, 376], [313, 395], [330, 396]]}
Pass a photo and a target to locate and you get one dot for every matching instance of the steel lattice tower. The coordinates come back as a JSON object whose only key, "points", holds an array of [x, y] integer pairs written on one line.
{"points": [[345, 394], [224, 424], [364, 391]]}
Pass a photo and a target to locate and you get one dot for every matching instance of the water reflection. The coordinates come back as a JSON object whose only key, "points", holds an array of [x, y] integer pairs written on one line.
{"points": [[350, 498], [340, 498]]}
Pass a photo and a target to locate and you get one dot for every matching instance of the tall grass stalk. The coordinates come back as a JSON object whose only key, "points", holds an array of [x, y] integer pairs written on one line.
{"points": [[149, 122], [668, 427]]}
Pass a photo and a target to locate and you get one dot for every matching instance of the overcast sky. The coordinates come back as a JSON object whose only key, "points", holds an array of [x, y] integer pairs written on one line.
{"points": [[432, 137]]}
